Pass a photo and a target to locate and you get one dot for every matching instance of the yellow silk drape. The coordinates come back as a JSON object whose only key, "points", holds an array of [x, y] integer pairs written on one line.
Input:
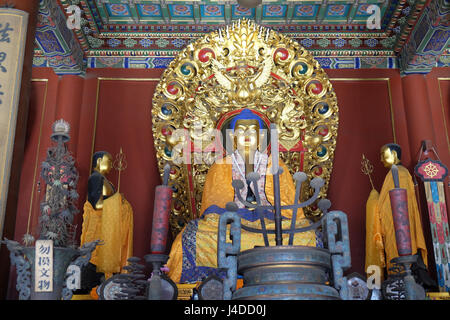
{"points": [[218, 191], [374, 239], [114, 225], [381, 217]]}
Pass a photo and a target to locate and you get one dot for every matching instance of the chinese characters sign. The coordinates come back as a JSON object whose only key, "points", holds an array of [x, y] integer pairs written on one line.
{"points": [[43, 266], [13, 25]]}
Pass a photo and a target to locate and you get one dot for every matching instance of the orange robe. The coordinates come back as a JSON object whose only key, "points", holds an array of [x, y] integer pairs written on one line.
{"points": [[114, 226], [219, 191], [374, 239]]}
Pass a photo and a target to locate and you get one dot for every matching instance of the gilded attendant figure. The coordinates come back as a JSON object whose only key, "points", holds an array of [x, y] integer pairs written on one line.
{"points": [[381, 245], [107, 216]]}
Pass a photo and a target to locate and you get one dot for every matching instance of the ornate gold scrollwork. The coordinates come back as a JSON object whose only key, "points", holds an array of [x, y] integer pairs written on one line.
{"points": [[241, 66]]}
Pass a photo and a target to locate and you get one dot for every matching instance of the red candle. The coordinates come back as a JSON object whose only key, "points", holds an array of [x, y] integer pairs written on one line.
{"points": [[399, 205], [160, 225]]}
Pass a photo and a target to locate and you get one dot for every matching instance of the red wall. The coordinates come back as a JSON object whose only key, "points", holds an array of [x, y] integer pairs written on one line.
{"points": [[438, 87], [124, 120], [110, 108], [40, 117], [365, 124]]}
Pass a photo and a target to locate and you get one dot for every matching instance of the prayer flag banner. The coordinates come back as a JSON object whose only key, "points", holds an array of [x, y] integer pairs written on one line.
{"points": [[13, 29], [433, 174]]}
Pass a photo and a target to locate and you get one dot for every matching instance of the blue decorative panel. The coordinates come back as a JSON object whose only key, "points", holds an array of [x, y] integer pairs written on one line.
{"points": [[437, 41], [49, 42], [241, 12], [274, 11], [163, 62], [443, 61], [145, 42], [337, 10], [149, 10], [118, 10], [362, 10], [305, 10], [212, 11], [181, 10]]}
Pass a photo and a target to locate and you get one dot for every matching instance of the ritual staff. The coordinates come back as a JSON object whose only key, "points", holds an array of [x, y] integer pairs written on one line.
{"points": [[107, 216], [193, 255], [381, 245]]}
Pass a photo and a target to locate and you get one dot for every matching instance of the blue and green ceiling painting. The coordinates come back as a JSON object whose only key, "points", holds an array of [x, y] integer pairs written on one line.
{"points": [[128, 31]]}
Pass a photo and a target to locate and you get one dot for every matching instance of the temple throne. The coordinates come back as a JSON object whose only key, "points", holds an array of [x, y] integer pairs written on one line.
{"points": [[241, 66]]}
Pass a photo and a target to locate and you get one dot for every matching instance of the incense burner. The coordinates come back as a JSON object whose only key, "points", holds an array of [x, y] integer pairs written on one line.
{"points": [[285, 271]]}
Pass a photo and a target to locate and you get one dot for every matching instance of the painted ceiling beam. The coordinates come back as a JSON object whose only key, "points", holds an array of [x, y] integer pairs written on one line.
{"points": [[408, 22], [197, 15], [353, 8], [227, 13], [165, 12], [258, 14], [428, 40], [322, 11], [290, 13], [57, 43], [161, 28]]}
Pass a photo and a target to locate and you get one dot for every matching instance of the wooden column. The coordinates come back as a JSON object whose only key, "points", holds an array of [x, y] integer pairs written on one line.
{"points": [[19, 141], [69, 99], [417, 112]]}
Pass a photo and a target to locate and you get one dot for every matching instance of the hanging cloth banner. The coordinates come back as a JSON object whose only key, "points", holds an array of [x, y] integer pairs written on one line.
{"points": [[13, 29], [433, 174]]}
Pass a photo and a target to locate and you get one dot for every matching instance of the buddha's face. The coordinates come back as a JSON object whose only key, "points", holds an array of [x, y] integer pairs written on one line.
{"points": [[104, 164], [246, 134], [388, 157]]}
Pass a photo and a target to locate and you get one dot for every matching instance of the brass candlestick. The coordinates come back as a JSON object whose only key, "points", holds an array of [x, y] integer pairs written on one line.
{"points": [[367, 168], [120, 164]]}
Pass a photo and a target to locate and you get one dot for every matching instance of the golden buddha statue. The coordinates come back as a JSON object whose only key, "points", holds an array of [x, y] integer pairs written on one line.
{"points": [[107, 216], [381, 245], [193, 255]]}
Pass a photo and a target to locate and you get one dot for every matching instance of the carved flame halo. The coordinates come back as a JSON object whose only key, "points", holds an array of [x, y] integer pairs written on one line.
{"points": [[242, 65]]}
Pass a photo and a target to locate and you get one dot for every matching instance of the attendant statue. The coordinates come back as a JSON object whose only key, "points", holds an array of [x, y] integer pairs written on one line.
{"points": [[193, 255], [107, 216], [381, 245]]}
